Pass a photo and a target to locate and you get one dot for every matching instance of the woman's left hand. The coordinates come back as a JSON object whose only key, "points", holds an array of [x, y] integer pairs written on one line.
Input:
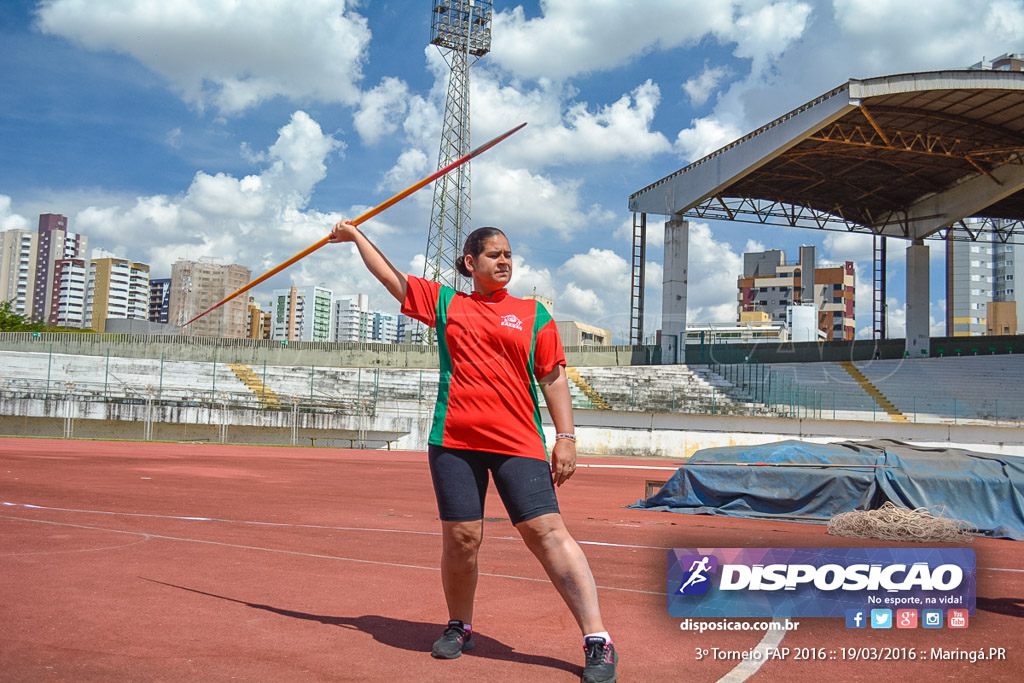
{"points": [[563, 461]]}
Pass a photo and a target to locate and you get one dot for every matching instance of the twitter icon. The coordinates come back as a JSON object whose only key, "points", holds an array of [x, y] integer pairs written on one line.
{"points": [[881, 618]]}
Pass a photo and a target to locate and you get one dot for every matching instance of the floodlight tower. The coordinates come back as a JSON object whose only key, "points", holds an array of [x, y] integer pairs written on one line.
{"points": [[461, 29]]}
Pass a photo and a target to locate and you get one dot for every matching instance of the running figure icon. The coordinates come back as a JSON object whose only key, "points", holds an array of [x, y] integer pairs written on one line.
{"points": [[697, 571]]}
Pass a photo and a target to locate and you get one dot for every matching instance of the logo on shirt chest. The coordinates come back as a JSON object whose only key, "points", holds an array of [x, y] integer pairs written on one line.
{"points": [[512, 321]]}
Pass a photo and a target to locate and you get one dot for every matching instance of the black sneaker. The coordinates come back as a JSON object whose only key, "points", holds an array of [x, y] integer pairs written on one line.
{"points": [[453, 642], [601, 661]]}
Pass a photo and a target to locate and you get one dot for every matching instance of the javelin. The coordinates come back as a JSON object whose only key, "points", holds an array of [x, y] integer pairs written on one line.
{"points": [[365, 217], [786, 464]]}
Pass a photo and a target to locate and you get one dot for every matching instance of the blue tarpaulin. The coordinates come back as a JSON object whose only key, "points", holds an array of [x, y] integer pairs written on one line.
{"points": [[814, 482]]}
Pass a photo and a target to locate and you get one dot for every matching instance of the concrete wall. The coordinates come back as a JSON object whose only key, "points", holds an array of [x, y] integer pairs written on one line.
{"points": [[77, 418], [326, 354], [678, 436], [857, 350], [601, 433], [258, 351]]}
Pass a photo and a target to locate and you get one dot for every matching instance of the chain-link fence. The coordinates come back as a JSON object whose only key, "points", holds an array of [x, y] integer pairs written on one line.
{"points": [[224, 398]]}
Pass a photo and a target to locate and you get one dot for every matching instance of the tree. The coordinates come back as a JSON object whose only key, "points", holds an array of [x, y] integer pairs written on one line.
{"points": [[16, 322]]}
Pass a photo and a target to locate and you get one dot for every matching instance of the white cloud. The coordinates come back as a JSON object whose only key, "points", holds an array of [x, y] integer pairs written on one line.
{"points": [[229, 55], [527, 279], [704, 137], [10, 220], [713, 268], [863, 303], [257, 221], [712, 271], [174, 138], [600, 269], [851, 246], [620, 130], [411, 166], [937, 318], [940, 34], [381, 110], [763, 34], [584, 305], [525, 203], [700, 87], [573, 38]]}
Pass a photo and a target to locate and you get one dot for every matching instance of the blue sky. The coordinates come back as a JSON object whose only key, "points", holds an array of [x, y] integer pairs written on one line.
{"points": [[241, 131]]}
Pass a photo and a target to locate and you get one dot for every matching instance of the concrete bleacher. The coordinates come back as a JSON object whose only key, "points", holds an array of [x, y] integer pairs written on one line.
{"points": [[949, 389], [393, 390], [662, 388], [968, 387], [986, 388], [398, 390], [826, 386], [131, 378]]}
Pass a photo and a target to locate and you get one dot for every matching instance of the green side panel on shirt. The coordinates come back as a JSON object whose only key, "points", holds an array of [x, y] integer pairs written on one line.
{"points": [[444, 299], [541, 319]]}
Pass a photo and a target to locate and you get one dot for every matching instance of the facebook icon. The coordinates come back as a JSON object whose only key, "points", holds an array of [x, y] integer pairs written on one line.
{"points": [[856, 618]]}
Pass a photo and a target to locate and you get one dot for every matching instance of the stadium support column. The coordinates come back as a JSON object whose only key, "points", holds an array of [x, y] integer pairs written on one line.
{"points": [[673, 297], [918, 345]]}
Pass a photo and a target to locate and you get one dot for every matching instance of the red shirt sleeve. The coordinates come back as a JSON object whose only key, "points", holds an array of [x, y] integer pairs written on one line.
{"points": [[547, 351], [421, 300]]}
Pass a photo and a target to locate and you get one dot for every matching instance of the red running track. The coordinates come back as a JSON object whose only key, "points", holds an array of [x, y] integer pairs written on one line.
{"points": [[183, 562]]}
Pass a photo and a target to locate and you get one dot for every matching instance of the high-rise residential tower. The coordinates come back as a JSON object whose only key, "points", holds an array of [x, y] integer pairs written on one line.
{"points": [[770, 285], [979, 273], [301, 314], [197, 286], [116, 288], [54, 242], [18, 269]]}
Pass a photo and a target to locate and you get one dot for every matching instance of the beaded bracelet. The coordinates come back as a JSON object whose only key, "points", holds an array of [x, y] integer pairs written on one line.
{"points": [[570, 437]]}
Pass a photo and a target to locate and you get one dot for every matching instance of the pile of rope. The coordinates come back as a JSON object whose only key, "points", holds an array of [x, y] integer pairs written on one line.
{"points": [[893, 523]]}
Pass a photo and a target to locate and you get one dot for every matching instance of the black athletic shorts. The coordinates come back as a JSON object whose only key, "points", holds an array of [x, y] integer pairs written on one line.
{"points": [[460, 484]]}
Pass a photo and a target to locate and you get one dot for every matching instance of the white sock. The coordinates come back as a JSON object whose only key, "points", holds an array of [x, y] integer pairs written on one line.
{"points": [[602, 634]]}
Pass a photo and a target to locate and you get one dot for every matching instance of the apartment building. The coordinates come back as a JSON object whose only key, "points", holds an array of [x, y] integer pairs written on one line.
{"points": [[54, 243], [301, 314], [771, 285], [159, 299], [978, 274], [68, 293], [117, 289], [197, 286], [18, 269]]}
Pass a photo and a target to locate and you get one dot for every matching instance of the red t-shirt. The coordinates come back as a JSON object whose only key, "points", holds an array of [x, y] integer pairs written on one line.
{"points": [[491, 350]]}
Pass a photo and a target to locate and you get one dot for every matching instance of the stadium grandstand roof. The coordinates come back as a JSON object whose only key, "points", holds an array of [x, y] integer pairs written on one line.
{"points": [[934, 154]]}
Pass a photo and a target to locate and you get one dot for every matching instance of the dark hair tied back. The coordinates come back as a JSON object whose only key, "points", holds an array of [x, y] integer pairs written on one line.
{"points": [[474, 246]]}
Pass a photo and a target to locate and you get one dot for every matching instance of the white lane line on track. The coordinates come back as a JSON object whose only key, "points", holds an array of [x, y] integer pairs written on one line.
{"points": [[30, 506], [627, 467], [740, 673], [749, 667], [238, 546], [321, 527]]}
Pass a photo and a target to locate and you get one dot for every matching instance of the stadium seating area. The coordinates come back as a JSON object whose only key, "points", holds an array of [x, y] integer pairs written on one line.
{"points": [[666, 389], [968, 388], [985, 388]]}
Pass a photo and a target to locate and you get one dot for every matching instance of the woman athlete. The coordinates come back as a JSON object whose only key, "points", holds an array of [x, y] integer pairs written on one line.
{"points": [[492, 347]]}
